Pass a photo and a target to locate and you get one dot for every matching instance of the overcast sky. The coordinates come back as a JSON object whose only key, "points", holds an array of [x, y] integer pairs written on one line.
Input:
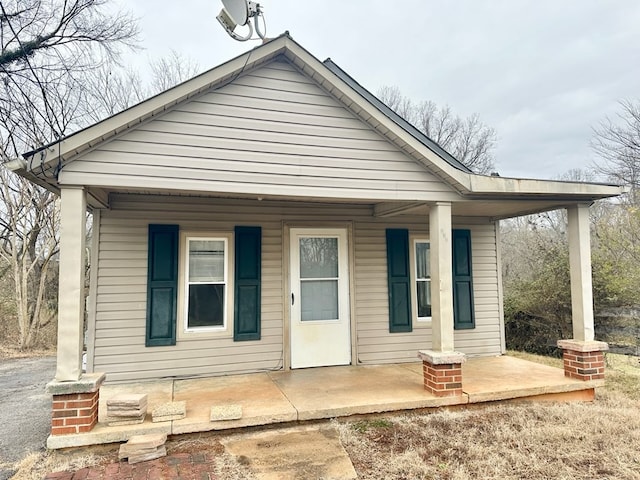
{"points": [[542, 72]]}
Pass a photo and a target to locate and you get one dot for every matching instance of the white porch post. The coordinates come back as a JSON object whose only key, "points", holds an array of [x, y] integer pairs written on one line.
{"points": [[441, 366], [73, 209], [580, 272], [75, 395], [583, 356], [441, 277]]}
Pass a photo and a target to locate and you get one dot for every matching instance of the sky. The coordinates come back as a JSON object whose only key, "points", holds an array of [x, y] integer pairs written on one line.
{"points": [[542, 73]]}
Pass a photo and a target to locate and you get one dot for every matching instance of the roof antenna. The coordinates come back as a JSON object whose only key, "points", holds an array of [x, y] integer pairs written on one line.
{"points": [[239, 13]]}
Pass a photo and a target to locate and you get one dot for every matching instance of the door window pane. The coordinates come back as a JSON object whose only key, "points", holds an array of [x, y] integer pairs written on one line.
{"points": [[318, 257], [319, 300]]}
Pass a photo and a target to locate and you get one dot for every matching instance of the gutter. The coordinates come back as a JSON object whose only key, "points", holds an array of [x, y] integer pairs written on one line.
{"points": [[19, 167], [16, 165]]}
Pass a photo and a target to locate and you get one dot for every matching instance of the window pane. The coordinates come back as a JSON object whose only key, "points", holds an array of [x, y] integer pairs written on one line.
{"points": [[206, 261], [423, 262], [319, 300], [424, 299], [206, 305], [318, 258]]}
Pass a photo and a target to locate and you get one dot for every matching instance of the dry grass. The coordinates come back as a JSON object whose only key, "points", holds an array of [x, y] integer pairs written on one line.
{"points": [[45, 344], [598, 440], [525, 441], [37, 465], [530, 357], [10, 352]]}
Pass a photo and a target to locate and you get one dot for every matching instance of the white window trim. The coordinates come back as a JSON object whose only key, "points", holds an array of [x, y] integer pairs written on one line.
{"points": [[418, 321], [226, 330]]}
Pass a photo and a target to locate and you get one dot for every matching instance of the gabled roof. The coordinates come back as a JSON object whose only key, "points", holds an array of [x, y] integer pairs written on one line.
{"points": [[401, 122], [41, 166]]}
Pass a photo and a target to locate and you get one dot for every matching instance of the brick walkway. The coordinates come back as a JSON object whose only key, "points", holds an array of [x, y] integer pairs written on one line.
{"points": [[179, 466]]}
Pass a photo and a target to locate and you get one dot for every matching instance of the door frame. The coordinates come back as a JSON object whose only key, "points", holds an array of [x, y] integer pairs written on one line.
{"points": [[286, 283]]}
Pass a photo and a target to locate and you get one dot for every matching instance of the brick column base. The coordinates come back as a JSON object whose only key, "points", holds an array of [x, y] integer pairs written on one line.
{"points": [[442, 372], [583, 360], [74, 413], [75, 404]]}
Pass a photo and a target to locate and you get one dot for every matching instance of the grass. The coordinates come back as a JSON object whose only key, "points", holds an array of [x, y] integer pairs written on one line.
{"points": [[11, 352], [37, 465], [45, 344], [597, 440]]}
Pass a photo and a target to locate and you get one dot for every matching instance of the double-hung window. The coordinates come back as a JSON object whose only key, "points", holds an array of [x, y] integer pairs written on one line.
{"points": [[422, 274], [206, 286]]}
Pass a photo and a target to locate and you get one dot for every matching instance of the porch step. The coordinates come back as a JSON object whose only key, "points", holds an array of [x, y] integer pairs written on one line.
{"points": [[169, 411], [126, 409], [141, 448]]}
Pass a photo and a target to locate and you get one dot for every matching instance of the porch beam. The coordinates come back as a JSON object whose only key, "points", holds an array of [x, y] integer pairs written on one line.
{"points": [[391, 209], [580, 273], [73, 209], [441, 276], [98, 198]]}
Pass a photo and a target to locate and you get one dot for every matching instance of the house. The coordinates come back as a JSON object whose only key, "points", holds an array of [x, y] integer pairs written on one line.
{"points": [[273, 214]]}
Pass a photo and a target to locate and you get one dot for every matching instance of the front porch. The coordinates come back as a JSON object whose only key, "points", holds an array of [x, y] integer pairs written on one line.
{"points": [[321, 393]]}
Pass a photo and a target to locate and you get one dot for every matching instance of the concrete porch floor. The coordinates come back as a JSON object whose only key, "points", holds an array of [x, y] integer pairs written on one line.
{"points": [[318, 393]]}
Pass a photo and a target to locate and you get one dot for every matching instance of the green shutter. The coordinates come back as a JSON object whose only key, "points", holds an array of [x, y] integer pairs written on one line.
{"points": [[162, 285], [248, 253], [399, 280], [463, 316]]}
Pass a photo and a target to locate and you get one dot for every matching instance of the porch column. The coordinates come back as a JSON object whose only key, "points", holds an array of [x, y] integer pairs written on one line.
{"points": [[583, 356], [441, 277], [442, 366], [580, 272], [75, 396], [73, 210]]}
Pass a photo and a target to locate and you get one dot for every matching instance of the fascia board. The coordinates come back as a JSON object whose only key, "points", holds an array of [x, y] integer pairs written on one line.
{"points": [[484, 186], [19, 167]]}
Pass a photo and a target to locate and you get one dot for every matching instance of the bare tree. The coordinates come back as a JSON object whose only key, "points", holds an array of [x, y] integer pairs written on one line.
{"points": [[617, 143], [29, 245], [468, 139], [47, 47], [49, 34], [110, 90], [171, 70]]}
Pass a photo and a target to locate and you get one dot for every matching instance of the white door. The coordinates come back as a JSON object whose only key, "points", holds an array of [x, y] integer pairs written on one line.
{"points": [[319, 298]]}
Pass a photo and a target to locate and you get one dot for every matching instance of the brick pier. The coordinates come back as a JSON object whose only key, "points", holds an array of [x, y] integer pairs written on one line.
{"points": [[75, 404], [442, 372], [74, 413], [583, 360]]}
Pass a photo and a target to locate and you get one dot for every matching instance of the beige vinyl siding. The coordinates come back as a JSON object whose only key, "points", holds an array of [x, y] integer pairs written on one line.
{"points": [[270, 131], [122, 276], [485, 338], [376, 344]]}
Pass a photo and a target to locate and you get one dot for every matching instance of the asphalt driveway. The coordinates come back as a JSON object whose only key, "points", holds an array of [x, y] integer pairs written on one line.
{"points": [[25, 408]]}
